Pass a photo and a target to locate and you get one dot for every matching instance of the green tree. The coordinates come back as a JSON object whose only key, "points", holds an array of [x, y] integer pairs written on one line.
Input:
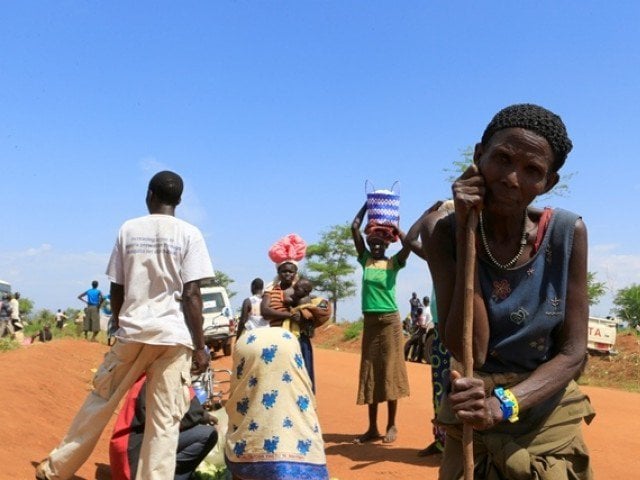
{"points": [[594, 289], [627, 304], [26, 307], [221, 279], [329, 265], [44, 315], [459, 166]]}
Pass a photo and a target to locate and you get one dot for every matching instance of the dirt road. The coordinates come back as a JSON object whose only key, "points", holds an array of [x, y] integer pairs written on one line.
{"points": [[43, 385]]}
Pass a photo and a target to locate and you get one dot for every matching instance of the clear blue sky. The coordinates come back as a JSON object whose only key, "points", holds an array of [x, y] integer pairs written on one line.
{"points": [[275, 113]]}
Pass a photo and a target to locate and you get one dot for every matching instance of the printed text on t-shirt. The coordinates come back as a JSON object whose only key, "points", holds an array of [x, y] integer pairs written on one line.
{"points": [[152, 245]]}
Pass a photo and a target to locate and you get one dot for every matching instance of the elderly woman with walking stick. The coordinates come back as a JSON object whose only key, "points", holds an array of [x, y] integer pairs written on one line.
{"points": [[529, 304]]}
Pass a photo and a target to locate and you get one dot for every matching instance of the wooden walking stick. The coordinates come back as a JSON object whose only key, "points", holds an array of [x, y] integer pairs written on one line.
{"points": [[467, 333]]}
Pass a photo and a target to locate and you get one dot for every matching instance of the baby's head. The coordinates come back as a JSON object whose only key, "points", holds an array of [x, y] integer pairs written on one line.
{"points": [[302, 288]]}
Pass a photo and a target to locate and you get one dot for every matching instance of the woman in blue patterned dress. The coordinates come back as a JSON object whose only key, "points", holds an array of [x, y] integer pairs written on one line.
{"points": [[274, 432]]}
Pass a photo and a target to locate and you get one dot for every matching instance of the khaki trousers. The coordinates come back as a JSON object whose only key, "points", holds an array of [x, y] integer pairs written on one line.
{"points": [[551, 448], [6, 327], [167, 368]]}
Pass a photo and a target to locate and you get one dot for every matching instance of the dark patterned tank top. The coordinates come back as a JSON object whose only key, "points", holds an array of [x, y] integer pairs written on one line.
{"points": [[526, 305]]}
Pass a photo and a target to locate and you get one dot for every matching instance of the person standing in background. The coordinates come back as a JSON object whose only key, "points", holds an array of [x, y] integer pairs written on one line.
{"points": [[6, 326], [60, 318], [250, 316], [414, 303], [15, 317], [93, 298], [383, 373], [440, 368], [277, 301], [418, 238]]}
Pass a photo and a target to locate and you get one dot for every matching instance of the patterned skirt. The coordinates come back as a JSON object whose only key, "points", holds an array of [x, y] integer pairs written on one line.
{"points": [[440, 371], [273, 432], [383, 373]]}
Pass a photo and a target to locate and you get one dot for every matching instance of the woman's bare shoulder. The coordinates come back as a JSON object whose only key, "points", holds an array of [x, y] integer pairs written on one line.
{"points": [[440, 224], [439, 235]]}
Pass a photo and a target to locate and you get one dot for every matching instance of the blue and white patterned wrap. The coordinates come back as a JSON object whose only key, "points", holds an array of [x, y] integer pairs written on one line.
{"points": [[273, 426]]}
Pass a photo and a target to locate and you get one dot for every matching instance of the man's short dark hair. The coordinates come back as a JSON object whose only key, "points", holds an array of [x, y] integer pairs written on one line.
{"points": [[537, 119], [94, 284], [256, 285], [167, 187]]}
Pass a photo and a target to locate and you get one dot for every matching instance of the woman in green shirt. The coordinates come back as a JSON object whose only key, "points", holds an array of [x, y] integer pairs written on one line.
{"points": [[383, 374]]}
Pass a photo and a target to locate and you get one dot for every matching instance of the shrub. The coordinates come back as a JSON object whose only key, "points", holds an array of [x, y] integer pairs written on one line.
{"points": [[7, 344], [208, 471], [354, 329]]}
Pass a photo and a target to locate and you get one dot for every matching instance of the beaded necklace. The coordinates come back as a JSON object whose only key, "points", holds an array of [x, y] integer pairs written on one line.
{"points": [[523, 242]]}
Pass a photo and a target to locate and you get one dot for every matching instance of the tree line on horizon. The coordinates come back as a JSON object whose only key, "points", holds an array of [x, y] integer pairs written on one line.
{"points": [[329, 263]]}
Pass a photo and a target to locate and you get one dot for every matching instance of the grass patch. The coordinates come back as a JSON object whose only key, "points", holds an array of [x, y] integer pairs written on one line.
{"points": [[207, 471], [6, 344], [618, 371], [353, 330], [71, 330]]}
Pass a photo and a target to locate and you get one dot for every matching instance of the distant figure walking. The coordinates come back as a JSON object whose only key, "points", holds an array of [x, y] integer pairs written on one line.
{"points": [[60, 318], [93, 298]]}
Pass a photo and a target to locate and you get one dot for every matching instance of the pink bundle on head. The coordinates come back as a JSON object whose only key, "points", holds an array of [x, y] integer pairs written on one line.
{"points": [[289, 249]]}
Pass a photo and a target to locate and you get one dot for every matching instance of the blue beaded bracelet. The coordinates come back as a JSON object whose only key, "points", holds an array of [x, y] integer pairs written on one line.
{"points": [[508, 404]]}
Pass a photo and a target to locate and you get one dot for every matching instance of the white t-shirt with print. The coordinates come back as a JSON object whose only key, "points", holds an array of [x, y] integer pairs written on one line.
{"points": [[154, 256]]}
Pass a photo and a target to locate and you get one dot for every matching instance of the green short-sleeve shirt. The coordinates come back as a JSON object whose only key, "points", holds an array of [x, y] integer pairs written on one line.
{"points": [[379, 283]]}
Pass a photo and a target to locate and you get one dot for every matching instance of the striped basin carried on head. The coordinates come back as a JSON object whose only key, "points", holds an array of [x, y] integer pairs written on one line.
{"points": [[383, 207]]}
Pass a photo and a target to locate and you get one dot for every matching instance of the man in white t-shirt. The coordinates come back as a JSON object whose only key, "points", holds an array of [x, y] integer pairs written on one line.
{"points": [[250, 316], [15, 317], [155, 269], [425, 320]]}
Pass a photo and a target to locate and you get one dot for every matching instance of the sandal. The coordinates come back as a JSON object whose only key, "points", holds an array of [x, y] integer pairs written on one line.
{"points": [[391, 435], [367, 437], [41, 474]]}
